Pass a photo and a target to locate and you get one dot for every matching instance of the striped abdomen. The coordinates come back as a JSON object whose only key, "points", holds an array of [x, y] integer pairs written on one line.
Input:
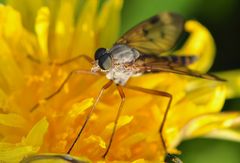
{"points": [[180, 60], [172, 60]]}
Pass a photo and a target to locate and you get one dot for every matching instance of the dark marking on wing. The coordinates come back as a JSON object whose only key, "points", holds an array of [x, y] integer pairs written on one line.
{"points": [[162, 34], [155, 35], [154, 19], [145, 32]]}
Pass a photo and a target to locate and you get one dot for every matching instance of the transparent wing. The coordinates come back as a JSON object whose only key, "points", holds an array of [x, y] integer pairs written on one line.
{"points": [[181, 70], [155, 35], [173, 64]]}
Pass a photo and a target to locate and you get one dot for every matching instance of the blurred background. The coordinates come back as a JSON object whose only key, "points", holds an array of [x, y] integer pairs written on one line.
{"points": [[222, 18]]}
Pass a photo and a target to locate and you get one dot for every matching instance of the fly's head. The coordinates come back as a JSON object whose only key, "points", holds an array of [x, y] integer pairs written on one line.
{"points": [[103, 60]]}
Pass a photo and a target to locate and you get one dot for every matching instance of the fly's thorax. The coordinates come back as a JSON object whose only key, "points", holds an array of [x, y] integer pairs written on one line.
{"points": [[118, 63], [120, 74], [123, 54], [123, 59]]}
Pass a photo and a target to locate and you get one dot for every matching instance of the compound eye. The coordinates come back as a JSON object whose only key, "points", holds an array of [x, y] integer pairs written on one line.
{"points": [[99, 52], [105, 62]]}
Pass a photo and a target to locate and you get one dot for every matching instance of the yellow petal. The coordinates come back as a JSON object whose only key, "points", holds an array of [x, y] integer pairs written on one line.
{"points": [[96, 139], [123, 120], [3, 102], [14, 37], [84, 36], [9, 70], [227, 134], [232, 83], [208, 95], [10, 24], [201, 44], [36, 135], [62, 34], [203, 97], [12, 120], [10, 32], [28, 11], [211, 124], [133, 139], [14, 152], [109, 23], [62, 29], [79, 108], [42, 28], [139, 161]]}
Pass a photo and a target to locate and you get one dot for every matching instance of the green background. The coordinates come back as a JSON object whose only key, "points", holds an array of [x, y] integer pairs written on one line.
{"points": [[222, 18]]}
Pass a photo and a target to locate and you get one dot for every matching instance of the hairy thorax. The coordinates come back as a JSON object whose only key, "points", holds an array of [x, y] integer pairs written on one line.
{"points": [[123, 67]]}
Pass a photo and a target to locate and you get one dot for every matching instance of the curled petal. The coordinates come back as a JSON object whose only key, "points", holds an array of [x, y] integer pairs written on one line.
{"points": [[202, 98], [216, 125], [201, 44]]}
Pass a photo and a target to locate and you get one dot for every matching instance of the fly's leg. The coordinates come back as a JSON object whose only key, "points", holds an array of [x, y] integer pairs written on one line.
{"points": [[158, 93], [169, 158], [87, 58], [107, 85], [122, 95], [78, 71]]}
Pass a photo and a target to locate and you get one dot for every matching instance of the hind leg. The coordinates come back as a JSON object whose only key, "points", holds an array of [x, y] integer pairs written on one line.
{"points": [[122, 95], [107, 85], [162, 94]]}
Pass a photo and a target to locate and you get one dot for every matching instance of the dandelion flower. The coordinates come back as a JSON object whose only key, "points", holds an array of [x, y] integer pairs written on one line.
{"points": [[36, 33]]}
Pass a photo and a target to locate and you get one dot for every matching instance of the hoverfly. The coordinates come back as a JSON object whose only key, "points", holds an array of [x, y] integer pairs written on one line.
{"points": [[137, 52]]}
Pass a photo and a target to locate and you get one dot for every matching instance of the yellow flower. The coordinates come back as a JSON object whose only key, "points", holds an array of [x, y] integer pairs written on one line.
{"points": [[35, 33]]}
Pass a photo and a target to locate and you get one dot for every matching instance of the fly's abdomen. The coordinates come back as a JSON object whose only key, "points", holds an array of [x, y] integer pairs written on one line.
{"points": [[181, 60], [172, 60]]}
